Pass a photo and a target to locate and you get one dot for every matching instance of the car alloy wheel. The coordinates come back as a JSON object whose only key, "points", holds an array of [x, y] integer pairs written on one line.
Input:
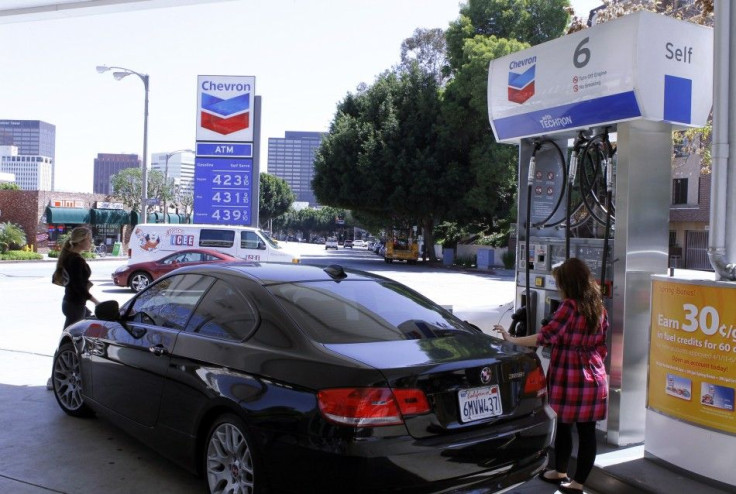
{"points": [[139, 280], [229, 462], [67, 381]]}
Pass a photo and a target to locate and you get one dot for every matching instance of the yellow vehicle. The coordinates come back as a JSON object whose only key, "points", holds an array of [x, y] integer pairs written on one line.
{"points": [[401, 247]]}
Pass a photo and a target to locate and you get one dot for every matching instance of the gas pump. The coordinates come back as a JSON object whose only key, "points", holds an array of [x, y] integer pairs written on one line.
{"points": [[592, 114]]}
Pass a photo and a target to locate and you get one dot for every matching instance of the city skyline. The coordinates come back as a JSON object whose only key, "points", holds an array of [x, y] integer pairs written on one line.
{"points": [[306, 57]]}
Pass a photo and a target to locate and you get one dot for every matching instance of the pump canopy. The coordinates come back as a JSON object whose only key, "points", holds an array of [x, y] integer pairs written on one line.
{"points": [[640, 66]]}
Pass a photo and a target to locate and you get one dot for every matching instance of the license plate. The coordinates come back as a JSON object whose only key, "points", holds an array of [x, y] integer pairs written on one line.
{"points": [[479, 403]]}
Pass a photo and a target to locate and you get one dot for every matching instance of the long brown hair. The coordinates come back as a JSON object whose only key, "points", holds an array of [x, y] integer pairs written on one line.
{"points": [[576, 282], [77, 236]]}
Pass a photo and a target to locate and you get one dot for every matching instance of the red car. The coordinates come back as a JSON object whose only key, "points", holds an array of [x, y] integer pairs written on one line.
{"points": [[139, 275]]}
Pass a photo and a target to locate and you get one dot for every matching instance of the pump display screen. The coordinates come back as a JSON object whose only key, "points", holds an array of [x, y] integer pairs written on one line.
{"points": [[548, 186]]}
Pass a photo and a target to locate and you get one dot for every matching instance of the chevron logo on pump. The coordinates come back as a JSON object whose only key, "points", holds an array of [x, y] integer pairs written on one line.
{"points": [[225, 116], [521, 84]]}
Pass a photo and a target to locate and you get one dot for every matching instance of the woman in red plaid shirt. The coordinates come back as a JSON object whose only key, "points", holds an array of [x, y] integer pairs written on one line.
{"points": [[576, 378]]}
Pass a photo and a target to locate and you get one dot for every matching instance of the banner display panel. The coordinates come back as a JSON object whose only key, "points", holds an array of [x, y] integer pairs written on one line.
{"points": [[692, 353]]}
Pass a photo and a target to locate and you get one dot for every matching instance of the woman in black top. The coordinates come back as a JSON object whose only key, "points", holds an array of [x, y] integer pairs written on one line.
{"points": [[76, 291]]}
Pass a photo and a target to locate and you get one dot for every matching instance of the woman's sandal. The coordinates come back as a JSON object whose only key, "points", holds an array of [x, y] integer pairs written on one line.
{"points": [[566, 489], [553, 480]]}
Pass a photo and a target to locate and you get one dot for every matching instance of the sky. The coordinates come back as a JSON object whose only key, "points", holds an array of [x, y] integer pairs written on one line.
{"points": [[306, 56]]}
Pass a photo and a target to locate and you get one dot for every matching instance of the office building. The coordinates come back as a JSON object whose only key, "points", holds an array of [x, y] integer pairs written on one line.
{"points": [[180, 169], [36, 150], [291, 158], [106, 165], [32, 172]]}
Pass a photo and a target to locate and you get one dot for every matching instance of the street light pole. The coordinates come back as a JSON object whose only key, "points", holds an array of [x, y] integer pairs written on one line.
{"points": [[166, 177], [144, 168]]}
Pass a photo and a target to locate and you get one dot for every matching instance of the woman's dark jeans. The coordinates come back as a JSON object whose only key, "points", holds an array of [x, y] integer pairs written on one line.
{"points": [[74, 312]]}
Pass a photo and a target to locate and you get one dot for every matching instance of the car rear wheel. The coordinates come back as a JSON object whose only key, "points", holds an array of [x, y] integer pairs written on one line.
{"points": [[67, 381], [230, 460], [139, 280]]}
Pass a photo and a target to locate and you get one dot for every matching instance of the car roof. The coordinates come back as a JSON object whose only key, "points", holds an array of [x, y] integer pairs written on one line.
{"points": [[274, 272]]}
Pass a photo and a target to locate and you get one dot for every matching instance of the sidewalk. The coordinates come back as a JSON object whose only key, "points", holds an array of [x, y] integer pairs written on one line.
{"points": [[37, 456], [627, 470]]}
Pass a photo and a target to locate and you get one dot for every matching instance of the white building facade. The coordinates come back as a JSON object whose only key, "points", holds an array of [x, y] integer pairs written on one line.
{"points": [[32, 172], [180, 168]]}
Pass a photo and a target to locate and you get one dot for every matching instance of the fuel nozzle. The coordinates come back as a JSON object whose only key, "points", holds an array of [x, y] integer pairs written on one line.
{"points": [[533, 164], [573, 168]]}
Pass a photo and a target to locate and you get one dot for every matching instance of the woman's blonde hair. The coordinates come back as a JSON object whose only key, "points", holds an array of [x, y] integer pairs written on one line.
{"points": [[76, 237], [576, 282]]}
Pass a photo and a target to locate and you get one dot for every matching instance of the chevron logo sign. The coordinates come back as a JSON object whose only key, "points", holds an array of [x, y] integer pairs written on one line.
{"points": [[226, 106], [521, 85], [225, 116]]}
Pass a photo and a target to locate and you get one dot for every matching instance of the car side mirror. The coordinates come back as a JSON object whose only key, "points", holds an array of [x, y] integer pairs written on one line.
{"points": [[261, 246], [108, 310]]}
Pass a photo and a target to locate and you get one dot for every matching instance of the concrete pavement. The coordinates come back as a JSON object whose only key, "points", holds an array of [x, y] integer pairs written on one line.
{"points": [[42, 450]]}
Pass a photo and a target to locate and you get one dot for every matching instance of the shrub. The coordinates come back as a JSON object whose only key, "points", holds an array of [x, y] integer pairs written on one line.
{"points": [[12, 234], [20, 255], [53, 253], [509, 259], [466, 261]]}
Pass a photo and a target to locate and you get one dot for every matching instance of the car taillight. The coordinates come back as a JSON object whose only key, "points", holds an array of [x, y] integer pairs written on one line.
{"points": [[535, 382], [371, 407]]}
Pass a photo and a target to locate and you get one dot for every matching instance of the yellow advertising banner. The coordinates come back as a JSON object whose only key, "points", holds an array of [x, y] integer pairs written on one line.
{"points": [[692, 353]]}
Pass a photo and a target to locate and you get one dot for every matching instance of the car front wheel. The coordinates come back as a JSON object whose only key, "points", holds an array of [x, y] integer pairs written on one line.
{"points": [[139, 280], [230, 460], [67, 381]]}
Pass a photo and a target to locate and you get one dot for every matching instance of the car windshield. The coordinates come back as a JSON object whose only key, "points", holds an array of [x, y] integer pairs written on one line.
{"points": [[364, 311], [269, 240]]}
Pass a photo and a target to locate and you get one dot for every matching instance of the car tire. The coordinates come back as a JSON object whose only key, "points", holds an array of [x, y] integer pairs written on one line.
{"points": [[229, 460], [139, 280], [66, 379]]}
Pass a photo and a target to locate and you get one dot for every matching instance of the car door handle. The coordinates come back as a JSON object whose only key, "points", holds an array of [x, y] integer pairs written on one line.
{"points": [[157, 350]]}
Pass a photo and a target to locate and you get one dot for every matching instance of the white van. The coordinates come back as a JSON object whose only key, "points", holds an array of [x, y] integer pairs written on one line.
{"points": [[151, 241]]}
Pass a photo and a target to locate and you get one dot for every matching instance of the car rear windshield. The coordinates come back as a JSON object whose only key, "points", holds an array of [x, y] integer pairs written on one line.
{"points": [[364, 311]]}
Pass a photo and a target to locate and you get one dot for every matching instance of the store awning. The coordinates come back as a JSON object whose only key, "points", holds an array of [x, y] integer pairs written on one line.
{"points": [[159, 218], [66, 216], [109, 217], [176, 218]]}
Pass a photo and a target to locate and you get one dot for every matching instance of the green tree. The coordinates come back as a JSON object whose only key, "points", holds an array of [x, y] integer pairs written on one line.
{"points": [[126, 185], [380, 155], [276, 197], [485, 30], [9, 186], [526, 21], [12, 235], [428, 49], [185, 198]]}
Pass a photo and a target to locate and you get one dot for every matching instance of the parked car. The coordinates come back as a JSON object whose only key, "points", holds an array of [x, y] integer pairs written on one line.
{"points": [[253, 374], [139, 275], [361, 244], [331, 243], [348, 243]]}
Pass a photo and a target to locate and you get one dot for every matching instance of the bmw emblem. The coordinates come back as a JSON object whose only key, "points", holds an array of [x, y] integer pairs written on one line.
{"points": [[485, 375]]}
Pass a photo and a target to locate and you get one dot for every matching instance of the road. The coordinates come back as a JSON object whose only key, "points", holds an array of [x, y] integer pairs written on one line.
{"points": [[42, 450], [31, 304]]}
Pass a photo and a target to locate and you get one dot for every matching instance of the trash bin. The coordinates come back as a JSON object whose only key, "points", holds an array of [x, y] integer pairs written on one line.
{"points": [[117, 247], [448, 257]]}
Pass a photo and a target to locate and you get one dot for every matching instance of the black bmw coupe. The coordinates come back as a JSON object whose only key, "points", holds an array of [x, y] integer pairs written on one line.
{"points": [[295, 378]]}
